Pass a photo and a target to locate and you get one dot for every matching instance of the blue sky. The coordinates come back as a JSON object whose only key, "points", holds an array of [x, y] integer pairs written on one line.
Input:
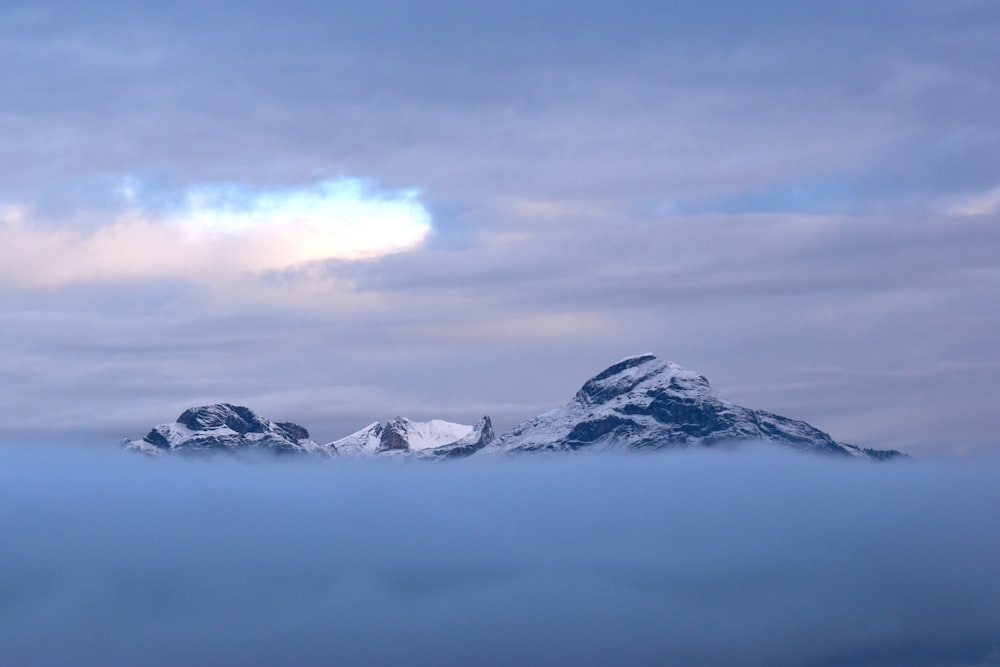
{"points": [[799, 201]]}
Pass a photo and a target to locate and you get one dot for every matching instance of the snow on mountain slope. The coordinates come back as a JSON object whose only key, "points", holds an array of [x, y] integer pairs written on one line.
{"points": [[480, 436], [226, 428], [365, 441], [419, 436], [642, 403], [402, 435]]}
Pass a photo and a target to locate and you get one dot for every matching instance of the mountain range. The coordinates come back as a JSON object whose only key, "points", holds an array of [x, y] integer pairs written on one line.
{"points": [[638, 404]]}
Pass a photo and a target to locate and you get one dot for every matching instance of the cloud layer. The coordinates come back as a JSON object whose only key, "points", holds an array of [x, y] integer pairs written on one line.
{"points": [[798, 201], [755, 557]]}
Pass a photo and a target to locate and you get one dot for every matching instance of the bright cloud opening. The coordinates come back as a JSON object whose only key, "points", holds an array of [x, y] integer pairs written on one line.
{"points": [[217, 229]]}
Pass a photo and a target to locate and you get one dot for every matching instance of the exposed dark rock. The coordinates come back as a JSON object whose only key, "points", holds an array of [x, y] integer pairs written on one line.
{"points": [[236, 417], [293, 431], [393, 437], [157, 439], [587, 432]]}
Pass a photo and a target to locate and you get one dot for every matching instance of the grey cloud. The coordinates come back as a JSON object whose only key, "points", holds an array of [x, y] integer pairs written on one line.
{"points": [[640, 98], [759, 304]]}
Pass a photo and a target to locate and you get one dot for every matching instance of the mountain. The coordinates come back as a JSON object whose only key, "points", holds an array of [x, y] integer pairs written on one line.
{"points": [[435, 438], [638, 404], [226, 428], [642, 403]]}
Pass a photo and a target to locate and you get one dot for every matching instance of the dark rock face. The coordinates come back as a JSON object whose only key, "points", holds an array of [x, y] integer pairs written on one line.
{"points": [[588, 432], [293, 431], [393, 437], [236, 417], [485, 429], [157, 439]]}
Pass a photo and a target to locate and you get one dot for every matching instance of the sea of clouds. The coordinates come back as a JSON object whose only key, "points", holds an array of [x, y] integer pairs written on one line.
{"points": [[746, 557]]}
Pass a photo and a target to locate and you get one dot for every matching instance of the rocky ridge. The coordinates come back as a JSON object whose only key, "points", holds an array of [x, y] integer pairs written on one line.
{"points": [[226, 428], [638, 404]]}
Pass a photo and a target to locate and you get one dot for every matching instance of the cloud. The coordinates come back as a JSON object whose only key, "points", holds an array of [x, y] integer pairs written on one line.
{"points": [[746, 557], [215, 232], [983, 203]]}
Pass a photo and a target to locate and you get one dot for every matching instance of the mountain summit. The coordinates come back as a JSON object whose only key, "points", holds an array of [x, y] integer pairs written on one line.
{"points": [[642, 403], [226, 428]]}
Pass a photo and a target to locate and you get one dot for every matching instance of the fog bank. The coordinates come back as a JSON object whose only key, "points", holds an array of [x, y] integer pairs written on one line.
{"points": [[748, 557]]}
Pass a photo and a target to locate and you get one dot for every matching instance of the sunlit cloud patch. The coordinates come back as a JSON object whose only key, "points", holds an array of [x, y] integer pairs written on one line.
{"points": [[215, 230]]}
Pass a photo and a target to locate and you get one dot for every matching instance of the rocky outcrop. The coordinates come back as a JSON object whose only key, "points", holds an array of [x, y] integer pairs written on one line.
{"points": [[394, 437], [223, 427]]}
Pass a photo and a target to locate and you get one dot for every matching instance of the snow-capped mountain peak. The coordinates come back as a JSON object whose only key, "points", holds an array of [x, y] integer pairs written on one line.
{"points": [[401, 434], [225, 427], [643, 403], [633, 377]]}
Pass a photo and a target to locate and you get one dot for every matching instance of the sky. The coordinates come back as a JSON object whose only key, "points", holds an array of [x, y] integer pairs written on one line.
{"points": [[335, 213]]}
